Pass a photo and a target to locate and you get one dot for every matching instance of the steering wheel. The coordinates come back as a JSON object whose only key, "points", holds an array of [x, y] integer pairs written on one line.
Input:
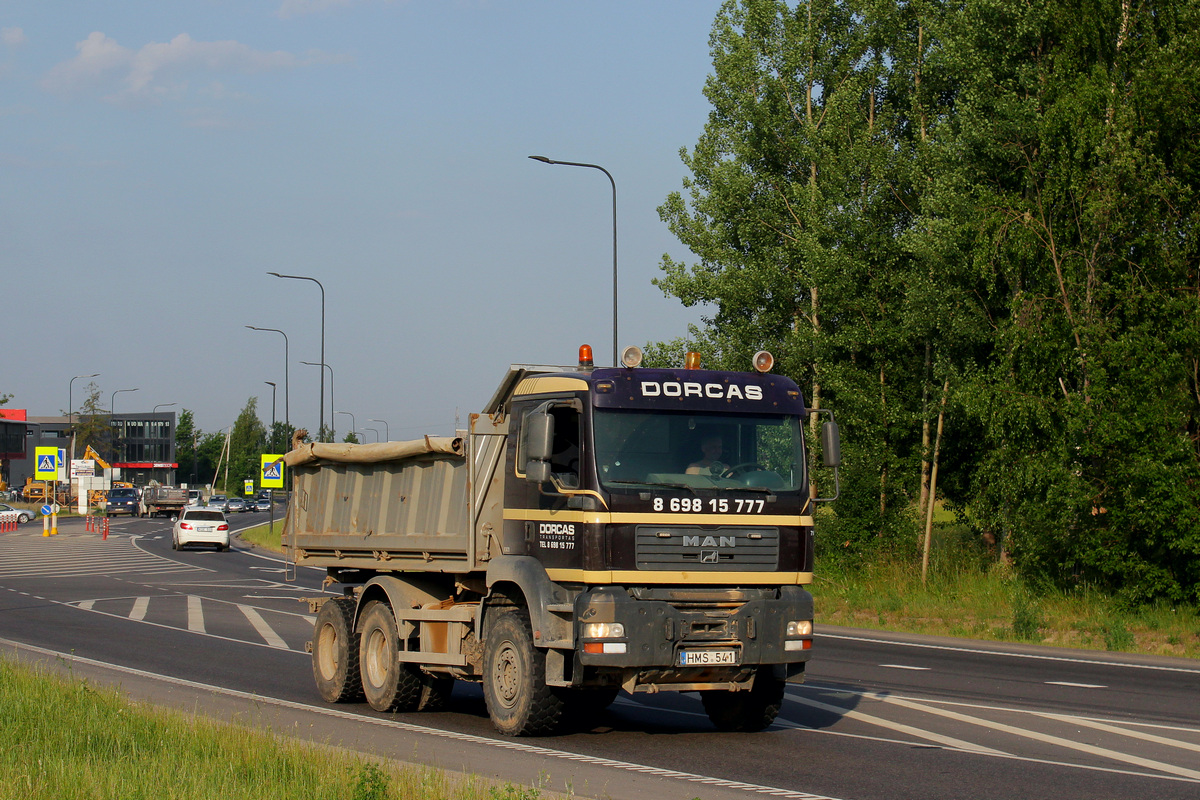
{"points": [[744, 467]]}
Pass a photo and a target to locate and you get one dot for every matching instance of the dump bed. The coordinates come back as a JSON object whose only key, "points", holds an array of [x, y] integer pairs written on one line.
{"points": [[164, 495], [387, 506]]}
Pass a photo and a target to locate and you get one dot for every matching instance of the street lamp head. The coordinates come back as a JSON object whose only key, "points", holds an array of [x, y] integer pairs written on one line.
{"points": [[542, 159], [269, 383]]}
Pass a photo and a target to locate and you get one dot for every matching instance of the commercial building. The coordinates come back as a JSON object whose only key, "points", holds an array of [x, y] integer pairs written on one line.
{"points": [[142, 445]]}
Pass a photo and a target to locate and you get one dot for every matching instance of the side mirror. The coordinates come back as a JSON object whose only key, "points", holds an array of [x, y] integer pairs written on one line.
{"points": [[538, 437], [831, 444]]}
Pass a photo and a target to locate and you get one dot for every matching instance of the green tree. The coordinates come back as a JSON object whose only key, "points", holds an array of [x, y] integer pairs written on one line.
{"points": [[983, 209], [247, 442], [1069, 175], [91, 426], [187, 437], [280, 438], [798, 190]]}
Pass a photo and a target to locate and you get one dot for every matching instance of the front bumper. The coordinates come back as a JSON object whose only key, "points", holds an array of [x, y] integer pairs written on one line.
{"points": [[659, 631]]}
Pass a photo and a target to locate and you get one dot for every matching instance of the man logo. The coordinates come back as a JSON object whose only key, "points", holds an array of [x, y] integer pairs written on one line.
{"points": [[710, 541]]}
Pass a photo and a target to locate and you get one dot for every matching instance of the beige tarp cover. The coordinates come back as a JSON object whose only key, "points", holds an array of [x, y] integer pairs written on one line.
{"points": [[372, 453]]}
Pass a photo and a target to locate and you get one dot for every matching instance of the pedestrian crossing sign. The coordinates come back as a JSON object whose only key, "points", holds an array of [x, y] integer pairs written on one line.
{"points": [[46, 468], [271, 472]]}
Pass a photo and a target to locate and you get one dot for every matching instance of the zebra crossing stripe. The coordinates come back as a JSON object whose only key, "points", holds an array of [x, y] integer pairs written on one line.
{"points": [[264, 630]]}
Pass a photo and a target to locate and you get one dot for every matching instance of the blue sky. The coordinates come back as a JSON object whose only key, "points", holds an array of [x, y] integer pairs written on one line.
{"points": [[158, 159]]}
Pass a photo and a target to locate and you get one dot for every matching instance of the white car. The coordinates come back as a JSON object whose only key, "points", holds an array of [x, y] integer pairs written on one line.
{"points": [[200, 526], [22, 514]]}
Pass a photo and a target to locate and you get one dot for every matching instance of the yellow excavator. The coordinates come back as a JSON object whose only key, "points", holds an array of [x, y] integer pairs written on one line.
{"points": [[98, 497]]}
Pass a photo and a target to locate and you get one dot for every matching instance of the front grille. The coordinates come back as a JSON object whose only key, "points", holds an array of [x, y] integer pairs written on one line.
{"points": [[717, 549]]}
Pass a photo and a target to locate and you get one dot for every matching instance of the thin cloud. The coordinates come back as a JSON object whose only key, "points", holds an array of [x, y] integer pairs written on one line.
{"points": [[13, 37], [159, 70]]}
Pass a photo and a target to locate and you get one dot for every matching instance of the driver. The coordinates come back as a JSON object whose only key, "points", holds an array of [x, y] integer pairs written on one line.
{"points": [[712, 447]]}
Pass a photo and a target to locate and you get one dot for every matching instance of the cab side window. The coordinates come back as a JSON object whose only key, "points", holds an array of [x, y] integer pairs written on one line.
{"points": [[564, 461]]}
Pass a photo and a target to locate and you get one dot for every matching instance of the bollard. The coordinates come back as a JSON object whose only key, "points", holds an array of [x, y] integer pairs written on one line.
{"points": [[105, 535]]}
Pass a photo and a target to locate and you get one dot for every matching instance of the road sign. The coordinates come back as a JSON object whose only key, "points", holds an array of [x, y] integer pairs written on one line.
{"points": [[271, 471], [248, 487], [47, 510], [83, 468], [46, 464]]}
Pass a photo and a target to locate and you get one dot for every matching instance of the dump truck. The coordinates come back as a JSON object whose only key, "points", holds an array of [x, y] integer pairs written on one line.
{"points": [[164, 500], [584, 535]]}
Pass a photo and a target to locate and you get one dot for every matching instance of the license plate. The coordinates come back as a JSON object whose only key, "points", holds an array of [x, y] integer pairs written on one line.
{"points": [[204, 528], [693, 658]]}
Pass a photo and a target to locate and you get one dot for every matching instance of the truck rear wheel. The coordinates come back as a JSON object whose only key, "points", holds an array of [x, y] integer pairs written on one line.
{"points": [[746, 711], [335, 652], [387, 684], [514, 679]]}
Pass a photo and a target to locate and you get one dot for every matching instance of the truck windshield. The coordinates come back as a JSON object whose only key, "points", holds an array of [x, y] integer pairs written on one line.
{"points": [[699, 451]]}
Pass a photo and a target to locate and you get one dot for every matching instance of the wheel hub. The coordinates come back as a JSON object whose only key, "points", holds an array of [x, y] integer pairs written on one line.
{"points": [[506, 675]]}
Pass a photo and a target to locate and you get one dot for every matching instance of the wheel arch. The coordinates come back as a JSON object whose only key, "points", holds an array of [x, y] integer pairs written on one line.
{"points": [[410, 591], [522, 578]]}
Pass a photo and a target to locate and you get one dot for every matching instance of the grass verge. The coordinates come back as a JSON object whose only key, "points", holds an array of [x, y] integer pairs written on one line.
{"points": [[979, 603], [67, 739]]}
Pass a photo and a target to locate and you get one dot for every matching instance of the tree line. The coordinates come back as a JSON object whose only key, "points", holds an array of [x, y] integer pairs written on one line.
{"points": [[970, 228]]}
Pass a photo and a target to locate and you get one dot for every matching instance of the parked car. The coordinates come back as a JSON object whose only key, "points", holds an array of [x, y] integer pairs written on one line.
{"points": [[235, 504], [262, 504], [200, 526], [218, 501], [23, 515]]}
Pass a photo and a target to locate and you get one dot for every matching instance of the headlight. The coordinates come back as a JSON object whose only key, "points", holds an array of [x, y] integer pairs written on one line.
{"points": [[801, 627], [603, 630]]}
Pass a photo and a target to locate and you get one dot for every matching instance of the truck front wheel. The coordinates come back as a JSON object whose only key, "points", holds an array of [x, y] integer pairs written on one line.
{"points": [[335, 652], [387, 684], [747, 711], [514, 679]]}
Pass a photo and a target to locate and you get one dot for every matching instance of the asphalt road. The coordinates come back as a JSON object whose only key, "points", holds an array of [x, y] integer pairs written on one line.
{"points": [[880, 716]]}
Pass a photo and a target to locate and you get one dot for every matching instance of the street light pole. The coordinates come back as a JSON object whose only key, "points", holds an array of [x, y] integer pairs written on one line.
{"points": [[544, 160], [163, 405], [332, 433], [386, 430], [353, 424], [112, 413], [376, 432], [71, 407], [318, 283], [272, 437], [287, 415]]}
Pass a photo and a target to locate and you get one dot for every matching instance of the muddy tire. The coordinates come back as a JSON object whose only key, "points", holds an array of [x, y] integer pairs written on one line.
{"points": [[335, 652], [514, 679], [387, 684], [746, 711]]}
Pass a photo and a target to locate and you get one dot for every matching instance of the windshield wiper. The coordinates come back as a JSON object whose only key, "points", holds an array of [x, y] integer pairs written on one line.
{"points": [[690, 488]]}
